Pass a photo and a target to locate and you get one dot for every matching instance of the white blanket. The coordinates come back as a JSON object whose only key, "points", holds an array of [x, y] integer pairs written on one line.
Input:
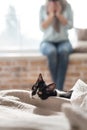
{"points": [[77, 112], [20, 112]]}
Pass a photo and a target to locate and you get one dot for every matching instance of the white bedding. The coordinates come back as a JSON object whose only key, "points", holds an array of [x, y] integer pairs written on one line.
{"points": [[77, 112], [20, 112]]}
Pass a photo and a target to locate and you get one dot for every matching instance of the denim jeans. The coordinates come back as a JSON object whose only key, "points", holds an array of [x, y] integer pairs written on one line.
{"points": [[58, 57]]}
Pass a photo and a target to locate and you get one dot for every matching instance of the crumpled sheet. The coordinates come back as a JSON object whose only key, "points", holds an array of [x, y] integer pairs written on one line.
{"points": [[76, 112], [18, 111]]}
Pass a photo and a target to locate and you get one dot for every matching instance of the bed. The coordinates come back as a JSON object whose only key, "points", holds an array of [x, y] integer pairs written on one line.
{"points": [[18, 111]]}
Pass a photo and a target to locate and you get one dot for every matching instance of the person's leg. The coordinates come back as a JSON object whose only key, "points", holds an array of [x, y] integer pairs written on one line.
{"points": [[63, 50], [49, 50]]}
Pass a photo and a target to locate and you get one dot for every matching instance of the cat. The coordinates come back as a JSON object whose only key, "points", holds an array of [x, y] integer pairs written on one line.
{"points": [[43, 91]]}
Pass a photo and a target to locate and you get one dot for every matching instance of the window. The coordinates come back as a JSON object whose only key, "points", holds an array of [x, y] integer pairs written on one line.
{"points": [[80, 9], [19, 23]]}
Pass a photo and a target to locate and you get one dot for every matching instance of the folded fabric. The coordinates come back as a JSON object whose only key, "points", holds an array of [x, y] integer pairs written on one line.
{"points": [[24, 96], [76, 116], [77, 111], [79, 88], [18, 111]]}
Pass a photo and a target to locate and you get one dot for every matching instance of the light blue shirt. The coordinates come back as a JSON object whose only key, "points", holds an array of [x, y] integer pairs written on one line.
{"points": [[50, 34]]}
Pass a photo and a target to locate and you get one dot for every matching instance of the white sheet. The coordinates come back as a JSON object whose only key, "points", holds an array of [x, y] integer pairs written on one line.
{"points": [[19, 112], [77, 112]]}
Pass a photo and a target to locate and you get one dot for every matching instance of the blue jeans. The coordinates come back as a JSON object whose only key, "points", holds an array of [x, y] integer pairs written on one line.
{"points": [[58, 57]]}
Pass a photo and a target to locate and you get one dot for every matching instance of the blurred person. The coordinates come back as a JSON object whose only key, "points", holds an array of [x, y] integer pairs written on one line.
{"points": [[56, 18]]}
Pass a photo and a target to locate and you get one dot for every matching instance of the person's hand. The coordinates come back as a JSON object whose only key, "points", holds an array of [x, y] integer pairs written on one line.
{"points": [[51, 15], [58, 9], [59, 14], [51, 8]]}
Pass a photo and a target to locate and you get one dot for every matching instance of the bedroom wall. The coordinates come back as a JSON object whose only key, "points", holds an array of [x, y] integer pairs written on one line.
{"points": [[22, 72]]}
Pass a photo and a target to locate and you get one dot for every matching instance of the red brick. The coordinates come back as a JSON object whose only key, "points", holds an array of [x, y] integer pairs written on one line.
{"points": [[23, 73]]}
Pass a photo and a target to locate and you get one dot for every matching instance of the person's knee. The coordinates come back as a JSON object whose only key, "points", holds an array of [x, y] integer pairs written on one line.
{"points": [[48, 49], [52, 52], [63, 51]]}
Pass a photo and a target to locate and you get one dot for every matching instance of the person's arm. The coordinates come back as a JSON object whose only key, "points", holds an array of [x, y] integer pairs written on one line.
{"points": [[66, 20], [45, 21], [62, 19], [48, 21]]}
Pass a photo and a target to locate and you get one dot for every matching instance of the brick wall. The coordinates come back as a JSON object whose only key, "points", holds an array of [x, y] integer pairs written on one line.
{"points": [[77, 69], [22, 72]]}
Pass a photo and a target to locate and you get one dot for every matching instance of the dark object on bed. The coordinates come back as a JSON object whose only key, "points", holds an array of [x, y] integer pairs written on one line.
{"points": [[44, 91]]}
